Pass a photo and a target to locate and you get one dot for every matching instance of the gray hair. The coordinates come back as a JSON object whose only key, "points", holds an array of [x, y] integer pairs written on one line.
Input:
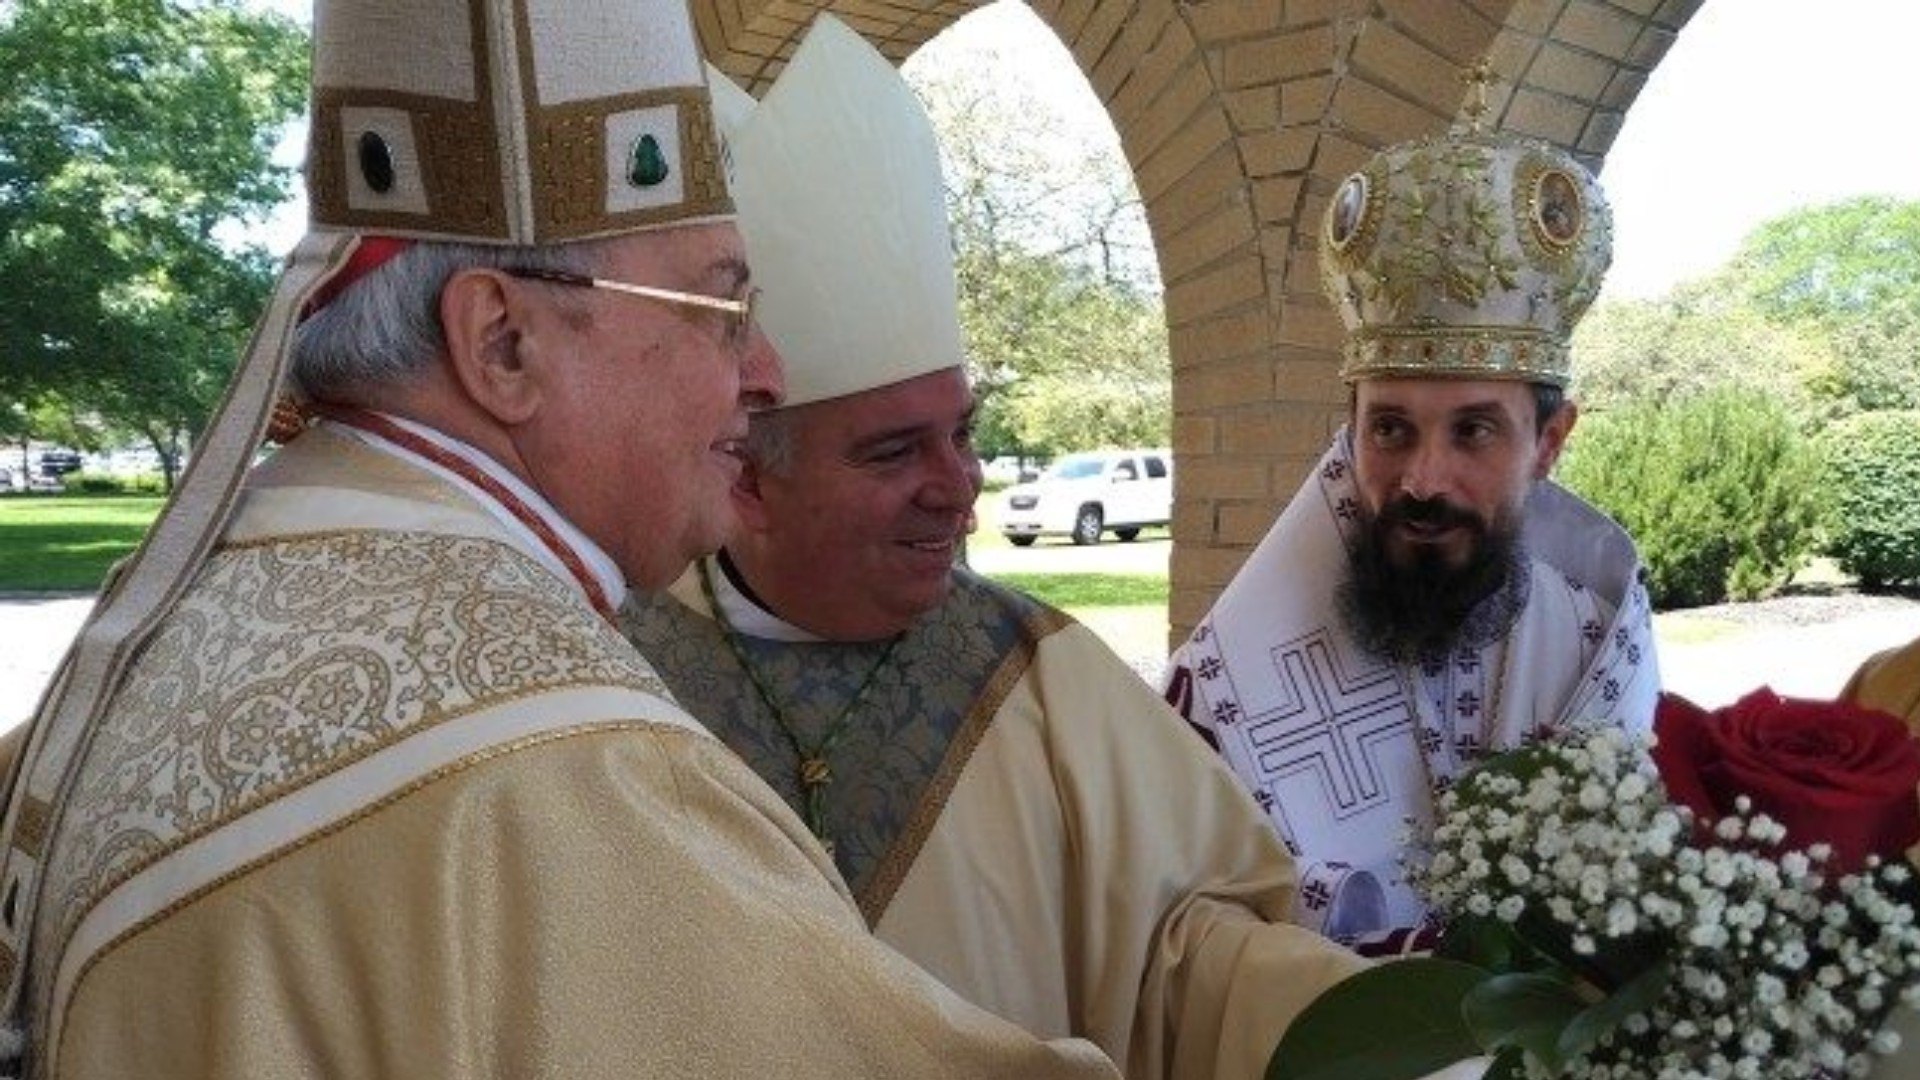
{"points": [[385, 328], [772, 437]]}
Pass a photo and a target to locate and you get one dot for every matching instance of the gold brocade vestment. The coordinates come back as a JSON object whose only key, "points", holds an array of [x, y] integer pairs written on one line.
{"points": [[1019, 813], [384, 798]]}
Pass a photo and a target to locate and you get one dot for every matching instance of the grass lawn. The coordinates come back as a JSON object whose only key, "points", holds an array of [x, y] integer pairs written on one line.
{"points": [[1085, 590], [65, 543]]}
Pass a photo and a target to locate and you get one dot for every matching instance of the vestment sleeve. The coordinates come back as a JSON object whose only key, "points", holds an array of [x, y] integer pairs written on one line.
{"points": [[1185, 887], [1889, 681]]}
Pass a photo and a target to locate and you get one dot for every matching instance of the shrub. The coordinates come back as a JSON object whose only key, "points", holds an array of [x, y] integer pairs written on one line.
{"points": [[1873, 462], [1720, 491], [90, 483], [146, 484]]}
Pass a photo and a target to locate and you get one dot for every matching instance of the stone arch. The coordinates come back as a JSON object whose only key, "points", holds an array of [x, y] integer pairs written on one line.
{"points": [[1239, 118]]}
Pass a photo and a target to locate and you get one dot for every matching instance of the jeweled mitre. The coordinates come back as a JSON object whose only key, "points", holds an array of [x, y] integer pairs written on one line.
{"points": [[1464, 255]]}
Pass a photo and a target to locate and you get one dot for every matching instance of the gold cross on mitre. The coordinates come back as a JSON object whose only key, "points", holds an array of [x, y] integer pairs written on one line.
{"points": [[1478, 78]]}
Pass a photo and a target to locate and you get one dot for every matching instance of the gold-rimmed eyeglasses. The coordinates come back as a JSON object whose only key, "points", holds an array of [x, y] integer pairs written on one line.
{"points": [[739, 311]]}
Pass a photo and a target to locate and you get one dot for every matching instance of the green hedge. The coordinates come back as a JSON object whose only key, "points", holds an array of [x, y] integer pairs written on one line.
{"points": [[1721, 492], [92, 483], [1873, 460]]}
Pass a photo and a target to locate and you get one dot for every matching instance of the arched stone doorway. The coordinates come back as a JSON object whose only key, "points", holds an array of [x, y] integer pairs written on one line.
{"points": [[1239, 117]]}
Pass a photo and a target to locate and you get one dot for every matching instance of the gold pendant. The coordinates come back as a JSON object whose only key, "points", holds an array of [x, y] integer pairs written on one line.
{"points": [[815, 772]]}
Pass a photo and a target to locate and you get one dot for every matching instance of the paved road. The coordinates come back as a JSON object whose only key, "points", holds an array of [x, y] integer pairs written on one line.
{"points": [[1808, 658]]}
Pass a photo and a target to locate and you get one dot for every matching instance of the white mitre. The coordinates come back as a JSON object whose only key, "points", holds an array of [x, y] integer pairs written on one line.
{"points": [[835, 176]]}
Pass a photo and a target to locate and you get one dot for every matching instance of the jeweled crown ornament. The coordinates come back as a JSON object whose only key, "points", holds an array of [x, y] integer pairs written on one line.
{"points": [[1465, 255]]}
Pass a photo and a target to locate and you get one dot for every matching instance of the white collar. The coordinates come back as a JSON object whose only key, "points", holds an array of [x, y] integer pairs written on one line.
{"points": [[744, 614]]}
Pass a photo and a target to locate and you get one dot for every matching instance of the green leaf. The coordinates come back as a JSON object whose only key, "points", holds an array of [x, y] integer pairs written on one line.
{"points": [[1599, 1020], [1508, 1064], [1393, 1022], [1526, 1010], [1492, 943]]}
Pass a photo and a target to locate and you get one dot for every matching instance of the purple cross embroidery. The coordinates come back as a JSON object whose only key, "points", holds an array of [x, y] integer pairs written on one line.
{"points": [[1316, 895], [1209, 668], [1226, 713], [1467, 704]]}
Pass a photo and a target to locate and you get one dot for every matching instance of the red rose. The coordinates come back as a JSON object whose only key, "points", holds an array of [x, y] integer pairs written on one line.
{"points": [[1830, 772]]}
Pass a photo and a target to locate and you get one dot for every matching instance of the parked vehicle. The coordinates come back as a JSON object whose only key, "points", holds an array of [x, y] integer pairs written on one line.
{"points": [[58, 463], [1086, 494]]}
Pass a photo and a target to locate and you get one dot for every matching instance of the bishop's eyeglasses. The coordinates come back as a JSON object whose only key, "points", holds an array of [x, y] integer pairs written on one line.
{"points": [[739, 311]]}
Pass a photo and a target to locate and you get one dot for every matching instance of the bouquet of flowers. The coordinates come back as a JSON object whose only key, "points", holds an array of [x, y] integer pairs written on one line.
{"points": [[1732, 901]]}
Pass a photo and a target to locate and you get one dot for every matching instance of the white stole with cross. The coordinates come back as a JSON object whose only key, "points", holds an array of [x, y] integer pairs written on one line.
{"points": [[1342, 749]]}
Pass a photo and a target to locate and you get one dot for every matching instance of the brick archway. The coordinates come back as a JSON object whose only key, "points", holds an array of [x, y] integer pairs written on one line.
{"points": [[1239, 118]]}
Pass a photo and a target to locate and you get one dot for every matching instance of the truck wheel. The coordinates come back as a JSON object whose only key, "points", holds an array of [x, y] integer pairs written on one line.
{"points": [[1087, 525]]}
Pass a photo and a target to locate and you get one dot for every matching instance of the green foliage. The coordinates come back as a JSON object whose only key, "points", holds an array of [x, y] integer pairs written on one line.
{"points": [[1395, 1020], [1105, 381], [1874, 464], [132, 133], [1696, 338], [1850, 272], [1059, 299], [1819, 309], [1720, 490], [86, 483]]}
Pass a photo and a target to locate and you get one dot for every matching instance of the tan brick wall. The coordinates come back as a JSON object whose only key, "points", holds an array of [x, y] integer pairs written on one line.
{"points": [[1239, 118]]}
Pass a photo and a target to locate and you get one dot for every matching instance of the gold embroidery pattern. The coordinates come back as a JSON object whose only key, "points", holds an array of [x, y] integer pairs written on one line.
{"points": [[288, 661]]}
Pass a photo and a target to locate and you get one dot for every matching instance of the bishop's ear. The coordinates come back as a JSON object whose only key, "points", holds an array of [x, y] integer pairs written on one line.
{"points": [[750, 498], [1553, 439], [487, 318]]}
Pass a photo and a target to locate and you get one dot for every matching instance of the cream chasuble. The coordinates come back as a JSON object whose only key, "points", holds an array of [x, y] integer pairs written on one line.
{"points": [[1342, 750], [1021, 815], [1889, 681], [383, 797]]}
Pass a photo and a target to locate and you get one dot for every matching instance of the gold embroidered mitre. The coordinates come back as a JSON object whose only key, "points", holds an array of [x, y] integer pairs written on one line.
{"points": [[510, 121], [1464, 255]]}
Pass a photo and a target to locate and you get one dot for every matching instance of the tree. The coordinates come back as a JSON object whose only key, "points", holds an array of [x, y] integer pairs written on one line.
{"points": [[134, 136], [1850, 271], [1059, 297], [1699, 336]]}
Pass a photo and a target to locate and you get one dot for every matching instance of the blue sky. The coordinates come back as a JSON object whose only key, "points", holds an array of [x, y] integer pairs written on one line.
{"points": [[1760, 107]]}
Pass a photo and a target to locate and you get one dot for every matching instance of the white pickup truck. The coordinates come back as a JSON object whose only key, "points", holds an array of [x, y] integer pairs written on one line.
{"points": [[1083, 495]]}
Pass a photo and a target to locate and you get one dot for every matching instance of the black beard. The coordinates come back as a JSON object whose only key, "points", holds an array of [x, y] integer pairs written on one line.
{"points": [[1422, 612]]}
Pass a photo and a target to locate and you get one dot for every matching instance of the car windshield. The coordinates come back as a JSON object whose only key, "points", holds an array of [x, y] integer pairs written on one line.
{"points": [[1074, 468]]}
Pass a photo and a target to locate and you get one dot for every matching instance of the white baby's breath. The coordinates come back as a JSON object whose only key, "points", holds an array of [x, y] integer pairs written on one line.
{"points": [[1776, 970]]}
